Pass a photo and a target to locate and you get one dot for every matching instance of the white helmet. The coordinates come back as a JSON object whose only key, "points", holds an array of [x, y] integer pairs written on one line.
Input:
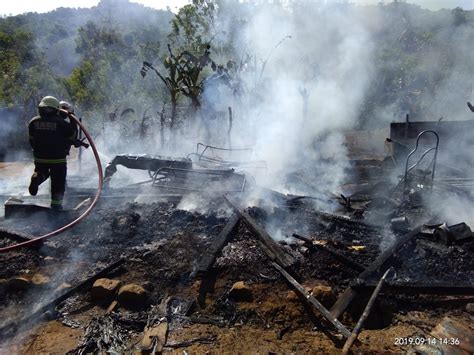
{"points": [[66, 106]]}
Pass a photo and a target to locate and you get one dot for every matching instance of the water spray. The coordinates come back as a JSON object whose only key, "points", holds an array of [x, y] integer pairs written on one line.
{"points": [[86, 212]]}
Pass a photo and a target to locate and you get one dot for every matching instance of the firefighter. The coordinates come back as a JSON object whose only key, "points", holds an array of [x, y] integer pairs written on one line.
{"points": [[66, 106], [51, 137]]}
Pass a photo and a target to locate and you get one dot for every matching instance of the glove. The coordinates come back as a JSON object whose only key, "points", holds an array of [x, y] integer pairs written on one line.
{"points": [[78, 143]]}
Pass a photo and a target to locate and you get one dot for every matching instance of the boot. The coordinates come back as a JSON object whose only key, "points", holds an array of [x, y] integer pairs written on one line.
{"points": [[34, 183]]}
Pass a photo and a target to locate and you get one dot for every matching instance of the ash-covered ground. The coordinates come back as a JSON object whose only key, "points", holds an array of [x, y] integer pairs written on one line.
{"points": [[242, 303]]}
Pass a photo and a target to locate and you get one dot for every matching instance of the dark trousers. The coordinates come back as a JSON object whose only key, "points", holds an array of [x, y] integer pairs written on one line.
{"points": [[57, 172]]}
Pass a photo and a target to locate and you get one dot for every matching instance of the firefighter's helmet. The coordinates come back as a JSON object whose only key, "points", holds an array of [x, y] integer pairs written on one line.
{"points": [[49, 101], [66, 106]]}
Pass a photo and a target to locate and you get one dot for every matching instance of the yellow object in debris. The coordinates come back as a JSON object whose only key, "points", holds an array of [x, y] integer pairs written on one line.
{"points": [[320, 242], [357, 247]]}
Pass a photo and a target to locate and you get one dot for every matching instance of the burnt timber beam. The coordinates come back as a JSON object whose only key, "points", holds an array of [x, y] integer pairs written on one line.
{"points": [[417, 289], [349, 293], [272, 249], [301, 290], [16, 236], [339, 256], [10, 328], [224, 237], [24, 237]]}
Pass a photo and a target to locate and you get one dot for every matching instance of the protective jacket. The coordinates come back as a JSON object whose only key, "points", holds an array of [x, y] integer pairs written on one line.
{"points": [[51, 137]]}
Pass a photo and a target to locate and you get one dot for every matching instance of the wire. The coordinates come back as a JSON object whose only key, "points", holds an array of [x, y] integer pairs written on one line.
{"points": [[86, 212]]}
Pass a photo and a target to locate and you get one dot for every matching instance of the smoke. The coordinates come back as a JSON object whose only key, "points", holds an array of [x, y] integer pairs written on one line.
{"points": [[308, 71]]}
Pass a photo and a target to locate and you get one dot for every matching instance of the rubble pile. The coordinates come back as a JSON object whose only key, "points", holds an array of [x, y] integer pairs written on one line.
{"points": [[296, 272]]}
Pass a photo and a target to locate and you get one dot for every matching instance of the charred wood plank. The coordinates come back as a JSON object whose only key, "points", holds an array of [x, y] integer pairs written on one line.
{"points": [[10, 328], [344, 219], [349, 294], [208, 259], [419, 288], [16, 236], [186, 343], [270, 247], [365, 314], [338, 218], [24, 237], [298, 287], [450, 336], [339, 256]]}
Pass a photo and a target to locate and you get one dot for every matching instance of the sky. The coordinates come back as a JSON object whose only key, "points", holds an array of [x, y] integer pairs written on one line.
{"points": [[16, 7], [22, 6]]}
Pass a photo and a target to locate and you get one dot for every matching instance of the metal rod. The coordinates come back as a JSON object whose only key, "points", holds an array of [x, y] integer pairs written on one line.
{"points": [[435, 148]]}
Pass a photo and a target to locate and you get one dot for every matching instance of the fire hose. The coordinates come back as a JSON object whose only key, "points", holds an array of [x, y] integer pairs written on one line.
{"points": [[86, 212]]}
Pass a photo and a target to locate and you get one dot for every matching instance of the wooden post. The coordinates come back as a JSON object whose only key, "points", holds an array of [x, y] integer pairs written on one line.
{"points": [[365, 314], [208, 259], [349, 294], [298, 287]]}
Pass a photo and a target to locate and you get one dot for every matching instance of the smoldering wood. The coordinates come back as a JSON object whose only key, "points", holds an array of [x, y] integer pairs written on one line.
{"points": [[270, 247], [17, 209], [25, 237], [301, 290], [291, 203], [339, 256], [349, 294], [224, 237], [201, 319], [186, 343], [16, 236], [419, 288]]}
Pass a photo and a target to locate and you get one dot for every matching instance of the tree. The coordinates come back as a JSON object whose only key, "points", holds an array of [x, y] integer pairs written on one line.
{"points": [[193, 26], [95, 83]]}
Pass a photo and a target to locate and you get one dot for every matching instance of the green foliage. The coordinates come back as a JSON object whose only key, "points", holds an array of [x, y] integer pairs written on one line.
{"points": [[193, 26], [87, 56], [91, 56], [25, 72]]}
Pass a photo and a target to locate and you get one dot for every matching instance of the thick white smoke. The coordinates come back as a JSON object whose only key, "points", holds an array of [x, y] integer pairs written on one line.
{"points": [[323, 51]]}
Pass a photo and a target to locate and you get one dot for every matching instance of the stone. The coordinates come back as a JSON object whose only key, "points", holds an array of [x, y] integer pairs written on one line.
{"points": [[104, 290], [40, 280], [240, 292], [323, 294], [292, 296], [17, 284], [132, 296], [470, 308], [321, 291], [158, 332]]}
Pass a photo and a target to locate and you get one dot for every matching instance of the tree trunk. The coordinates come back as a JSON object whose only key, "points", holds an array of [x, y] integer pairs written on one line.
{"points": [[162, 127], [174, 104]]}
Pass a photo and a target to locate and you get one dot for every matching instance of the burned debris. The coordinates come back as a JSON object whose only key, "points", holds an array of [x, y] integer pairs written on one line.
{"points": [[234, 210], [250, 257]]}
